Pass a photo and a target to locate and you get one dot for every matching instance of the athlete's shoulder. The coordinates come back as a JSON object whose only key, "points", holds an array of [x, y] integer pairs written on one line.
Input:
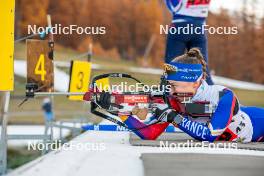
{"points": [[221, 90], [211, 93], [218, 87]]}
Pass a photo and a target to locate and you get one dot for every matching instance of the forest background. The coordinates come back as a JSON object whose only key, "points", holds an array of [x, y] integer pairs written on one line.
{"points": [[130, 25]]}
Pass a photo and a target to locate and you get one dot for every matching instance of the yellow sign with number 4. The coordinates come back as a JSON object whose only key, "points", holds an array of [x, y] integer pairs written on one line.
{"points": [[39, 65], [80, 78]]}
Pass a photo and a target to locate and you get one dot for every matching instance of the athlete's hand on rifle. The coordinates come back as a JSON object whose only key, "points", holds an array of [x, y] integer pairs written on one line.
{"points": [[104, 100], [168, 115], [141, 113]]}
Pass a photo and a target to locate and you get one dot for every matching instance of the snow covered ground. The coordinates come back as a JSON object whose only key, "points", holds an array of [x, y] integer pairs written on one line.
{"points": [[106, 153]]}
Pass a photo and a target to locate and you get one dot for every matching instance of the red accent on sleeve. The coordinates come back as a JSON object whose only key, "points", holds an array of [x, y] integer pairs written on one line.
{"points": [[154, 131]]}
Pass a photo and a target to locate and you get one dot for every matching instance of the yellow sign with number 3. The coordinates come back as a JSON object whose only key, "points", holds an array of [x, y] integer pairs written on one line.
{"points": [[80, 78]]}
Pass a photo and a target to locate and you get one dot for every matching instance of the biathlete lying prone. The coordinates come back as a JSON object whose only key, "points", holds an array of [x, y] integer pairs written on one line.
{"points": [[230, 120]]}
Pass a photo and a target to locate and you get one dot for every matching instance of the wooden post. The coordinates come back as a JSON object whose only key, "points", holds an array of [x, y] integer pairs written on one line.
{"points": [[147, 50], [51, 57], [5, 98], [40, 69]]}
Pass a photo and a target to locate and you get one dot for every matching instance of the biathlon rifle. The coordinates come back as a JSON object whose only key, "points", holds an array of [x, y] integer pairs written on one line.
{"points": [[132, 103]]}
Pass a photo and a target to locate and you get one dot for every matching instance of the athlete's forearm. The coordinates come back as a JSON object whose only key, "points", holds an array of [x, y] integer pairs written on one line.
{"points": [[146, 132], [196, 130]]}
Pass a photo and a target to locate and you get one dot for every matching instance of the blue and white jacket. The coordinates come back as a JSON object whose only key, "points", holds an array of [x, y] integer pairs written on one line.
{"points": [[228, 123], [188, 10]]}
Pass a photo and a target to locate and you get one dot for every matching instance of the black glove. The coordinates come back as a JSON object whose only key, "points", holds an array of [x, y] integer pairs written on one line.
{"points": [[168, 115], [104, 100]]}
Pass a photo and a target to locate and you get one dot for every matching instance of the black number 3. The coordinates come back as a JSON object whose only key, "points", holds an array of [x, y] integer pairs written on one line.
{"points": [[80, 84]]}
